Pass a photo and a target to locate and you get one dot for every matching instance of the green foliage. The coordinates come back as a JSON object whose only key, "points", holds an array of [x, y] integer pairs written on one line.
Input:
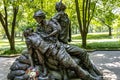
{"points": [[104, 12], [116, 27], [29, 25]]}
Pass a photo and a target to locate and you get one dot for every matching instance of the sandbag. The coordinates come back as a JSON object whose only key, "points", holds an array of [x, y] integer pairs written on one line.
{"points": [[19, 66], [23, 59], [23, 77]]}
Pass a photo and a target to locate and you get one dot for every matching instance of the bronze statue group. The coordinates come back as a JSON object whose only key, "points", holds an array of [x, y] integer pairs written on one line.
{"points": [[49, 56]]}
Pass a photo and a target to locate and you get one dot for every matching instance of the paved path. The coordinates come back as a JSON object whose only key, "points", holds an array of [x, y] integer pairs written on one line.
{"points": [[5, 64], [108, 61]]}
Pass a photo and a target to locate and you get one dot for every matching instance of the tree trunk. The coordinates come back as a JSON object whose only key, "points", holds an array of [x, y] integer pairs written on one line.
{"points": [[4, 23], [81, 25], [110, 31], [12, 45], [84, 42], [109, 28], [12, 42], [78, 16]]}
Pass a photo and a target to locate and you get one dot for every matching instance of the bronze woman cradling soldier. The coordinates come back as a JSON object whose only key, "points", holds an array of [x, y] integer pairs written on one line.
{"points": [[51, 40]]}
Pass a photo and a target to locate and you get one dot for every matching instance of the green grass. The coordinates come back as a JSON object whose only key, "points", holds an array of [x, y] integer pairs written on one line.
{"points": [[4, 47], [93, 36], [114, 45], [7, 51], [94, 41], [97, 41]]}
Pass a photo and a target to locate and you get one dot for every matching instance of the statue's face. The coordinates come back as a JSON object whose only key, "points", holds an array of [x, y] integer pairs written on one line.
{"points": [[38, 19]]}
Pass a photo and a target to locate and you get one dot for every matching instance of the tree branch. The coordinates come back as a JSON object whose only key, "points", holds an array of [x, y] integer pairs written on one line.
{"points": [[15, 11], [78, 15], [86, 11], [2, 20], [6, 15], [83, 13], [93, 10]]}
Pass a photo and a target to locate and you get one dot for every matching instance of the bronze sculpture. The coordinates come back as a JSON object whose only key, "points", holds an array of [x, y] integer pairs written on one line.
{"points": [[64, 37], [63, 58], [48, 41]]}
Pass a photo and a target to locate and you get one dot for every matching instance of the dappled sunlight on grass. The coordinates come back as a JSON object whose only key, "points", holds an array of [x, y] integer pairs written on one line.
{"points": [[102, 40], [93, 36], [5, 43], [99, 43], [4, 47], [96, 40]]}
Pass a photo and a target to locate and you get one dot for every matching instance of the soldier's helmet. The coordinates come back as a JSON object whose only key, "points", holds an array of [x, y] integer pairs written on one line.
{"points": [[39, 13], [60, 6]]}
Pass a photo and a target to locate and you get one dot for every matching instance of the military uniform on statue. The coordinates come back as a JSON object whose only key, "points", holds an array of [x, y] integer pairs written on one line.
{"points": [[49, 56]]}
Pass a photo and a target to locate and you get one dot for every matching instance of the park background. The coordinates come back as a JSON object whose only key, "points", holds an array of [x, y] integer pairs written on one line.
{"points": [[95, 24]]}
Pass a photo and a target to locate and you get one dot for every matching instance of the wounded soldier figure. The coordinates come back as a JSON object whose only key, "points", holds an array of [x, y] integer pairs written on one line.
{"points": [[61, 55]]}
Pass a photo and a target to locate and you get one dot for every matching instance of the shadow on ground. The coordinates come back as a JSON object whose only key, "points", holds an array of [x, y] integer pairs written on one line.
{"points": [[107, 61]]}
